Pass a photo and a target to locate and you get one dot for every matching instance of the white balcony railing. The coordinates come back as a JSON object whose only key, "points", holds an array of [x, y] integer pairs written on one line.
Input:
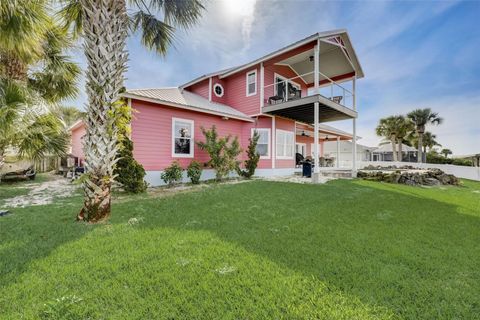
{"points": [[287, 89]]}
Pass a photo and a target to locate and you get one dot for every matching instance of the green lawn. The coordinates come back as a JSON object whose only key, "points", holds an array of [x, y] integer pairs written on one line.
{"points": [[349, 249]]}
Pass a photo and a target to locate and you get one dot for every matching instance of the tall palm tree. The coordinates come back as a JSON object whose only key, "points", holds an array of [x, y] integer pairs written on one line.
{"points": [[389, 128], [422, 117], [105, 25], [404, 127]]}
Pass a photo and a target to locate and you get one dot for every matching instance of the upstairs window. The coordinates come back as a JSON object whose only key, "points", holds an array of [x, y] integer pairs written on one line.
{"points": [[285, 144], [251, 83], [182, 138], [263, 144]]}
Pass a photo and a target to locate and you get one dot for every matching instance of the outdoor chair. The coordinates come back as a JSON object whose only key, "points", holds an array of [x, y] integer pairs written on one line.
{"points": [[337, 99]]}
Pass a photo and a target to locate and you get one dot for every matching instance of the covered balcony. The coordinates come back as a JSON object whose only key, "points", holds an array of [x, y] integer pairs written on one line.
{"points": [[313, 83]]}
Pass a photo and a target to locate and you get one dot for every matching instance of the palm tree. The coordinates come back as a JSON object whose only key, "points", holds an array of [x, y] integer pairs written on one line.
{"points": [[404, 127], [69, 115], [429, 140], [420, 118], [28, 128], [389, 128], [35, 74], [105, 26], [446, 152]]}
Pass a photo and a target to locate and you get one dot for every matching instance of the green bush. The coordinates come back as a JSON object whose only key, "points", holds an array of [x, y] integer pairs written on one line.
{"points": [[462, 162], [194, 171], [128, 171], [223, 153], [173, 174], [253, 157]]}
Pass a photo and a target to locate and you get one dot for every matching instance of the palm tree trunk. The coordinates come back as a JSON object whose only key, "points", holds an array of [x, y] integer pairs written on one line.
{"points": [[394, 147], [105, 24], [400, 153], [419, 147], [13, 67]]}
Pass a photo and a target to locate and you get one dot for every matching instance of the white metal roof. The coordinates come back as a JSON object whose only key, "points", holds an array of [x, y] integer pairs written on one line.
{"points": [[388, 148], [176, 97]]}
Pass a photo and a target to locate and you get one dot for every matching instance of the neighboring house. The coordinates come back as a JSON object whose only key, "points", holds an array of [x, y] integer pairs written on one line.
{"points": [[384, 153], [341, 152], [283, 95]]}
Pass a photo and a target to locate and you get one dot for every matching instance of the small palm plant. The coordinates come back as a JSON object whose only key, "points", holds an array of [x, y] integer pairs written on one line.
{"points": [[421, 118], [35, 74], [446, 152]]}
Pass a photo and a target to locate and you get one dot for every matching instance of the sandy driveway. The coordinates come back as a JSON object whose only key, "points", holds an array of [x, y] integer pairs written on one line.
{"points": [[42, 193]]}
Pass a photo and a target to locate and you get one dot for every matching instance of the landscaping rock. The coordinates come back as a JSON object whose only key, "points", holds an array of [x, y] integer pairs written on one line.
{"points": [[408, 175]]}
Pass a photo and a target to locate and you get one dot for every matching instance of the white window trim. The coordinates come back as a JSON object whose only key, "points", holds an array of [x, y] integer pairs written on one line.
{"points": [[246, 83], [293, 151], [269, 140], [276, 75], [192, 144], [215, 92]]}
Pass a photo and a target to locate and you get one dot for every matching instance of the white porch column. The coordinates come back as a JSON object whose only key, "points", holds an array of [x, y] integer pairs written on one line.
{"points": [[262, 85], [316, 112], [354, 141], [316, 146], [338, 153]]}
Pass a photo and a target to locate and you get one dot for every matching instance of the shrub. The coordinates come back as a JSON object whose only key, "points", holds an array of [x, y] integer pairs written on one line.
{"points": [[253, 157], [223, 153], [173, 174], [128, 171], [194, 171], [462, 162]]}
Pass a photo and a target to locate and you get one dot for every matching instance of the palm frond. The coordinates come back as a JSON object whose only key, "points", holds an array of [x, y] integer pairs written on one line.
{"points": [[70, 16], [176, 13], [155, 34]]}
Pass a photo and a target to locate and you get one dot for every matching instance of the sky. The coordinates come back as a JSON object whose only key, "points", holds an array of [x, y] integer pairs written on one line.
{"points": [[415, 54]]}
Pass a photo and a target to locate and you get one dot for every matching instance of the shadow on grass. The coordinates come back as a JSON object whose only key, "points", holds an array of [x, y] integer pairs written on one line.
{"points": [[32, 233], [405, 252]]}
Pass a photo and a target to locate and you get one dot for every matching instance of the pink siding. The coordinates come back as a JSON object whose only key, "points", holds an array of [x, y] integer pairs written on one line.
{"points": [[235, 92], [77, 145], [152, 133], [260, 123], [200, 88]]}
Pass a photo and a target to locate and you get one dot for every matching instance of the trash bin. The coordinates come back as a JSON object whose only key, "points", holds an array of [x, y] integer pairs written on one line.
{"points": [[307, 169]]}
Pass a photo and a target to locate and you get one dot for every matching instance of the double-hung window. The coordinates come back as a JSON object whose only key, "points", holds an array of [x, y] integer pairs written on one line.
{"points": [[285, 144], [263, 144], [251, 83], [182, 138]]}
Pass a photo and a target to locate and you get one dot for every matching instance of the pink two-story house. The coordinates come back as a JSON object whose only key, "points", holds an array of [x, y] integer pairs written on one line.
{"points": [[286, 96]]}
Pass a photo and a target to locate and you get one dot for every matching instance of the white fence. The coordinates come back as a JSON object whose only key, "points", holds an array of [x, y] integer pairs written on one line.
{"points": [[472, 173]]}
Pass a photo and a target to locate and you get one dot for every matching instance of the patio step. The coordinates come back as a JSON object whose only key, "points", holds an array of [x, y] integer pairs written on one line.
{"points": [[337, 173]]}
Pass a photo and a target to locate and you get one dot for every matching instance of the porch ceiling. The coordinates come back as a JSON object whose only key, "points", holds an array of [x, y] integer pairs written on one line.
{"points": [[302, 110], [333, 63]]}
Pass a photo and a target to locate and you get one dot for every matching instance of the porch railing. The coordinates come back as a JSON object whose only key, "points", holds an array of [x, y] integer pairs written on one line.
{"points": [[292, 90]]}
